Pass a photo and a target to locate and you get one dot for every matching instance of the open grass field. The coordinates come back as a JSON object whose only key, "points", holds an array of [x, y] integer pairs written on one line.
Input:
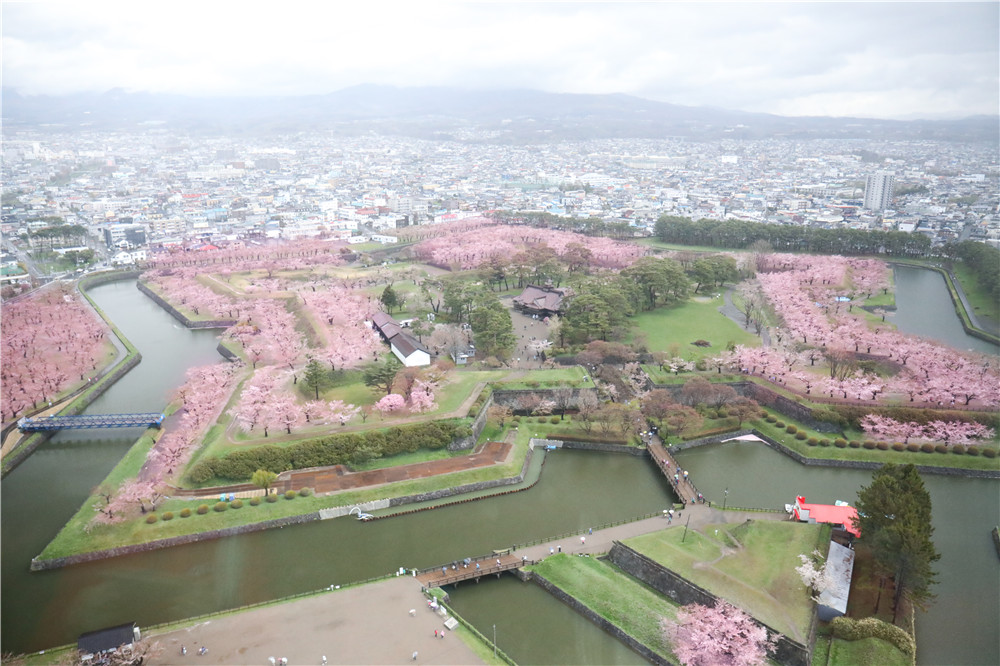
{"points": [[673, 329], [752, 565], [985, 307], [613, 595]]}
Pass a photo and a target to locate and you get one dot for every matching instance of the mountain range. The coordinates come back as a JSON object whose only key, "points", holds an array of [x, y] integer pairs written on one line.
{"points": [[508, 116]]}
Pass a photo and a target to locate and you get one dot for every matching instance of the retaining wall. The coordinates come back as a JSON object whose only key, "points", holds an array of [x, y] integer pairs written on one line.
{"points": [[613, 629], [175, 313], [55, 563], [786, 652]]}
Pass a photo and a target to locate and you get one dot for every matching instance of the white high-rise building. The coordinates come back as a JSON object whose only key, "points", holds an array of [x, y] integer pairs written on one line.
{"points": [[878, 190]]}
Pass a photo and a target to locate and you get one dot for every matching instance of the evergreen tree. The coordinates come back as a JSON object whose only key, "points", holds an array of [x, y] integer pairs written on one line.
{"points": [[390, 299], [894, 516], [314, 375], [382, 374]]}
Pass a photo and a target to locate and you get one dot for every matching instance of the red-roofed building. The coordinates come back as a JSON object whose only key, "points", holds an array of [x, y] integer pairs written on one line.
{"points": [[840, 516]]}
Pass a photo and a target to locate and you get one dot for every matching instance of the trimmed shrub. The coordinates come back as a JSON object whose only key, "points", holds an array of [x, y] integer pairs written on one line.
{"points": [[185, 512], [989, 453], [882, 446], [554, 419], [972, 450], [780, 424], [868, 444], [151, 518], [304, 492], [853, 630], [800, 436], [927, 448], [941, 448], [898, 446], [812, 441], [202, 509], [958, 449], [167, 515], [236, 504], [824, 442], [289, 494], [790, 429], [271, 499], [854, 444], [220, 507], [840, 443], [764, 415], [254, 501]]}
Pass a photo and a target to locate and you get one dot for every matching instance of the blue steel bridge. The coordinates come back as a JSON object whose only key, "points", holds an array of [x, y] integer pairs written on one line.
{"points": [[38, 424]]}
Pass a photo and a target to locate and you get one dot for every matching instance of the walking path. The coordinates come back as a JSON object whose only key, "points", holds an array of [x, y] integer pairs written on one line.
{"points": [[730, 310]]}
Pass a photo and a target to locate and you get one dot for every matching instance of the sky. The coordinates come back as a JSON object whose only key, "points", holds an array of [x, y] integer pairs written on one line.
{"points": [[900, 60]]}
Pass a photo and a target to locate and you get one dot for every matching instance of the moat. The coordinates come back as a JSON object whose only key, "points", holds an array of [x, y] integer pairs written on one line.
{"points": [[577, 489]]}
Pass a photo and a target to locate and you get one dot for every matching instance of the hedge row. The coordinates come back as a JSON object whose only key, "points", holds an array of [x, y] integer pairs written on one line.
{"points": [[333, 450], [850, 415], [848, 629]]}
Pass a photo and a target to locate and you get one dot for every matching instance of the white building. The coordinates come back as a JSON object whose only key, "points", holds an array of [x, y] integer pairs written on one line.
{"points": [[878, 190]]}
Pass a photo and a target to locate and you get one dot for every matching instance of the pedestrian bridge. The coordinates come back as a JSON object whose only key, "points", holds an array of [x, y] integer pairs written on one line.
{"points": [[470, 569], [144, 420]]}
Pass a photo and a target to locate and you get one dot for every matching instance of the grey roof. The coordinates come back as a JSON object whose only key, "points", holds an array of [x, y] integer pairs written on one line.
{"points": [[541, 298], [840, 564], [406, 344], [109, 638]]}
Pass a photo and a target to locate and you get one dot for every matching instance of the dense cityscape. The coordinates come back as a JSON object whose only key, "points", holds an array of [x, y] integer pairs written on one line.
{"points": [[137, 194]]}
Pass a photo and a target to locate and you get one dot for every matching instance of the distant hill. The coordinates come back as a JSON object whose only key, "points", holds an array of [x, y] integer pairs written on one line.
{"points": [[510, 116]]}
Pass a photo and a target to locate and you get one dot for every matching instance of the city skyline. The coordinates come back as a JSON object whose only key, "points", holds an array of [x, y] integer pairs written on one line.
{"points": [[899, 60]]}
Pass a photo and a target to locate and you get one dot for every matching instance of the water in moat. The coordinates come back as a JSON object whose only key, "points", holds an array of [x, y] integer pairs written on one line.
{"points": [[577, 490]]}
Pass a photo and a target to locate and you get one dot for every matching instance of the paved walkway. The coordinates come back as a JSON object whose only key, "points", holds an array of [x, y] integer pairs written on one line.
{"points": [[732, 312]]}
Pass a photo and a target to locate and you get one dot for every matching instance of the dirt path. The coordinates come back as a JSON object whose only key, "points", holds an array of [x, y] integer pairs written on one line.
{"points": [[367, 624]]}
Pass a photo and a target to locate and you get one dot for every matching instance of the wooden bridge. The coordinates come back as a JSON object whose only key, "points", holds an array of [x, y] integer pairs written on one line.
{"points": [[471, 569], [685, 490], [142, 420]]}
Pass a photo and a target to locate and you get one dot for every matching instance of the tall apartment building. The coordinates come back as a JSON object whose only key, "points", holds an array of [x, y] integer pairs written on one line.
{"points": [[878, 190]]}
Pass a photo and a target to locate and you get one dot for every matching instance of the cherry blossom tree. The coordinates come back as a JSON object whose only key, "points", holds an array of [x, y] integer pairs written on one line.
{"points": [[719, 635], [390, 403]]}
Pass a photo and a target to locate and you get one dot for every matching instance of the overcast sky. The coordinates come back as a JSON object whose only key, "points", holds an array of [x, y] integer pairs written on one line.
{"points": [[879, 60]]}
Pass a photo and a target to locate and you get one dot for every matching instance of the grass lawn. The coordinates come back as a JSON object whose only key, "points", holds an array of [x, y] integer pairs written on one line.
{"points": [[673, 329], [866, 651], [613, 595], [752, 565], [983, 305], [569, 376], [675, 247]]}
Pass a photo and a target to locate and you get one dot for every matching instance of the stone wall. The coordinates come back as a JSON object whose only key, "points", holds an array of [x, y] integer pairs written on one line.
{"points": [[603, 447], [55, 563], [787, 652], [510, 397], [175, 313], [643, 651]]}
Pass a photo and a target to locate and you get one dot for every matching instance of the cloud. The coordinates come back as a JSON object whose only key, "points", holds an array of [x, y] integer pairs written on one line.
{"points": [[893, 59]]}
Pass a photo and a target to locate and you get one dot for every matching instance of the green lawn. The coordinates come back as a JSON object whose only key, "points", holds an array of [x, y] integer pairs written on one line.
{"points": [[673, 329], [615, 596], [866, 651], [569, 376], [983, 305], [749, 564]]}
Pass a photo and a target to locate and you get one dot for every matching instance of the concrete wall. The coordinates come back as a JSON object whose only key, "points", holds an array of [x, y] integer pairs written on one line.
{"points": [[787, 652]]}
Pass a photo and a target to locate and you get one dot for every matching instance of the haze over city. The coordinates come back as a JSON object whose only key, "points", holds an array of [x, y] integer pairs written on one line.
{"points": [[893, 60]]}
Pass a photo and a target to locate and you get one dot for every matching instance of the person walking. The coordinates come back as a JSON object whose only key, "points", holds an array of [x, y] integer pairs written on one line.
{"points": [[414, 657]]}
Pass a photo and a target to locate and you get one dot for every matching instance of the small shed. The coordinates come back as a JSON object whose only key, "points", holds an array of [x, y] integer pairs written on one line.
{"points": [[107, 640], [840, 515]]}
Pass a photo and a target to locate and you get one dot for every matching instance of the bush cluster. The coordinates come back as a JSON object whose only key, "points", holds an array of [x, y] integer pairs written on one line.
{"points": [[220, 506], [854, 630], [236, 504], [185, 512], [202, 509], [791, 430], [167, 515], [800, 436], [852, 414], [812, 441], [151, 518], [927, 448], [254, 501], [304, 492], [898, 446], [271, 499], [840, 443], [289, 494], [869, 444], [325, 451]]}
